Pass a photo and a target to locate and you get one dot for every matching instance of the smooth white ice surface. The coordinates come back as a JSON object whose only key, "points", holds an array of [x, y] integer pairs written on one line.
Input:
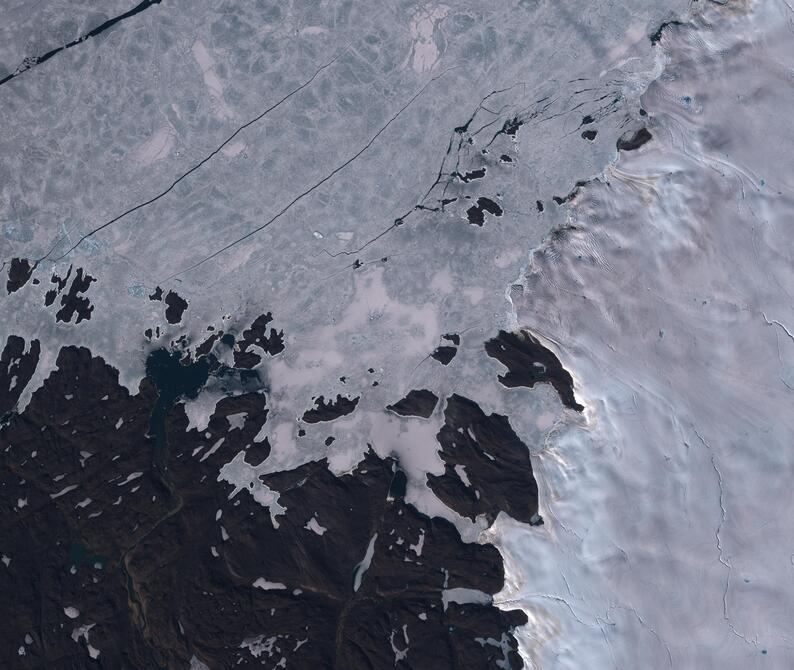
{"points": [[668, 539]]}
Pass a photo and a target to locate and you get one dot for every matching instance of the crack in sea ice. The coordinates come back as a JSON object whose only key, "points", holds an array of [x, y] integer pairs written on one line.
{"points": [[176, 181], [315, 186], [32, 61], [718, 539]]}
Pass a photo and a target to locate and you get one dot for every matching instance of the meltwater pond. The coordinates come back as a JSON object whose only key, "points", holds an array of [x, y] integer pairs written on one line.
{"points": [[173, 379]]}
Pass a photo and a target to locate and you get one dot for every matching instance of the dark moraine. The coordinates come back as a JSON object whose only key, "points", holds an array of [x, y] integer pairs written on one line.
{"points": [[561, 200], [476, 213], [419, 403], [471, 176], [452, 337], [18, 274], [634, 140], [656, 36], [486, 466], [330, 410], [175, 307], [528, 363], [151, 334], [444, 354], [206, 346], [72, 303], [257, 335], [166, 574], [511, 127], [60, 283]]}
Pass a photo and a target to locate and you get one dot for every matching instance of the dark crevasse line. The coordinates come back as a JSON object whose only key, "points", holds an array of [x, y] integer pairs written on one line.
{"points": [[189, 172], [32, 61], [314, 186]]}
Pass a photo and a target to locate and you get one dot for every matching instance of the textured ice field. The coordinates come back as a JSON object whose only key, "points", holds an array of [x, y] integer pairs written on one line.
{"points": [[111, 124], [668, 292], [298, 157]]}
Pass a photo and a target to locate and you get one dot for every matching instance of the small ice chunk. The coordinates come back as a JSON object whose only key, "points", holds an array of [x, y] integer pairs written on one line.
{"points": [[262, 583], [259, 645], [362, 567], [130, 478], [236, 421], [400, 654], [82, 631], [63, 491], [314, 526], [196, 664], [244, 476], [417, 548], [212, 450], [464, 596], [460, 470]]}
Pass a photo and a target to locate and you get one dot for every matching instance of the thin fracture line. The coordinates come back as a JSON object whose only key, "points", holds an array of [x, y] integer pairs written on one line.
{"points": [[309, 190], [30, 63], [777, 323], [191, 170]]}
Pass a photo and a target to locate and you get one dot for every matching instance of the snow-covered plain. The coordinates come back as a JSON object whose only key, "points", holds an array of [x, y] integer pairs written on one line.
{"points": [[670, 539]]}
